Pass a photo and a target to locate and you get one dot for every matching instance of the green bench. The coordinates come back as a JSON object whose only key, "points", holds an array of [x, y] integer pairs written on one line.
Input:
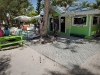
{"points": [[10, 40]]}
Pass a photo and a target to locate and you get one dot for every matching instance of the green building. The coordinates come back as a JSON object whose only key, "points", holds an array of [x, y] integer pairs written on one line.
{"points": [[75, 21]]}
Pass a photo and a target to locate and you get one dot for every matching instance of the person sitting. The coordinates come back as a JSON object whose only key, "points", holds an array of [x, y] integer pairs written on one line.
{"points": [[1, 32], [7, 31]]}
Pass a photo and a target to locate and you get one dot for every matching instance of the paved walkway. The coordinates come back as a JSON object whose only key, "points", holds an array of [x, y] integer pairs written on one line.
{"points": [[68, 51]]}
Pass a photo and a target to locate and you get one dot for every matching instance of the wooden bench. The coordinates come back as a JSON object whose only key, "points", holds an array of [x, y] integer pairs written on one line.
{"points": [[10, 40]]}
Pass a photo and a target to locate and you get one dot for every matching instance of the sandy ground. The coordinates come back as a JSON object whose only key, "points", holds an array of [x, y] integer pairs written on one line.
{"points": [[27, 61]]}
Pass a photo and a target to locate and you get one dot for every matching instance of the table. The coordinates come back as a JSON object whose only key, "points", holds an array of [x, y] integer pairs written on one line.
{"points": [[10, 40]]}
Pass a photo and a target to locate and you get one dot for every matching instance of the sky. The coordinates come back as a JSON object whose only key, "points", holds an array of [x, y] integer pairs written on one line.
{"points": [[34, 2]]}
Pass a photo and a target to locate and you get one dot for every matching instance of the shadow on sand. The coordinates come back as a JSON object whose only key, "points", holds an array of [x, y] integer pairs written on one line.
{"points": [[5, 65], [75, 71]]}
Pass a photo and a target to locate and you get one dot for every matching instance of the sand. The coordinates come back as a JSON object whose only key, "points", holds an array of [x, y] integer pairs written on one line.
{"points": [[26, 61]]}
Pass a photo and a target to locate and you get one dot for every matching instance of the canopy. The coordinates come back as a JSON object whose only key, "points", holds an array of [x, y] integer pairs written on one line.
{"points": [[23, 18]]}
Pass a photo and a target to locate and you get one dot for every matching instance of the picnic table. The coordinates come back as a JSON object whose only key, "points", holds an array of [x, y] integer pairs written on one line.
{"points": [[10, 40]]}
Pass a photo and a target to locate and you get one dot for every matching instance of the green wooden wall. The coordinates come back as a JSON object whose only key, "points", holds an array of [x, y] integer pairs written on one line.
{"points": [[81, 29], [94, 29]]}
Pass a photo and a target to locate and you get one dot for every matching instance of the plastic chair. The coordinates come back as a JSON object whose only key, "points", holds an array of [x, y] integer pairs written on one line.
{"points": [[24, 33]]}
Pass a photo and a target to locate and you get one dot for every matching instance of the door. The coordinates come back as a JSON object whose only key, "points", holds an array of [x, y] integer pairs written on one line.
{"points": [[62, 24]]}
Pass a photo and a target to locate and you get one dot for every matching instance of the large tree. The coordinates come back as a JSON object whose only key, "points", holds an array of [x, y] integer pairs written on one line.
{"points": [[44, 24]]}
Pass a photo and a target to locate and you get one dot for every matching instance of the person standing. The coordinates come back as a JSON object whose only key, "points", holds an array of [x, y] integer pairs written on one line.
{"points": [[55, 29], [35, 25]]}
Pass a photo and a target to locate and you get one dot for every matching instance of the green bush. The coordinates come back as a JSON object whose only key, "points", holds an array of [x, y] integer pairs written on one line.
{"points": [[33, 21]]}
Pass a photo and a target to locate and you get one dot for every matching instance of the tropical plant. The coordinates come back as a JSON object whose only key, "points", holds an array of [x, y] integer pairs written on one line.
{"points": [[85, 4], [94, 5], [97, 4]]}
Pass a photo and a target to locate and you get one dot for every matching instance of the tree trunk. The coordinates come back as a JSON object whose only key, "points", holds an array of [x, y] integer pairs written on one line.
{"points": [[44, 25]]}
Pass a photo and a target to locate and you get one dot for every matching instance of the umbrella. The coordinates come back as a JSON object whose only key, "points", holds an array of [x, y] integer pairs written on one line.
{"points": [[22, 18], [36, 17]]}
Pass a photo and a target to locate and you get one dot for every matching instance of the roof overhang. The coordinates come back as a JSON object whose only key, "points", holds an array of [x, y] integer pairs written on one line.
{"points": [[82, 13]]}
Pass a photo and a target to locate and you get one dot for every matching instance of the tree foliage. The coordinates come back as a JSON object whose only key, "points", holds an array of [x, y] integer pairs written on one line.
{"points": [[38, 8], [92, 5], [13, 8], [30, 11], [62, 2]]}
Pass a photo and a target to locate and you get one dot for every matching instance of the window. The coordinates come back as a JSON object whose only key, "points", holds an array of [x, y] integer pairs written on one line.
{"points": [[79, 20], [95, 20]]}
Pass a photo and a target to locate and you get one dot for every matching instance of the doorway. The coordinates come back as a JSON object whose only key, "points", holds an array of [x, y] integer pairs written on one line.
{"points": [[62, 24], [51, 24], [56, 20]]}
